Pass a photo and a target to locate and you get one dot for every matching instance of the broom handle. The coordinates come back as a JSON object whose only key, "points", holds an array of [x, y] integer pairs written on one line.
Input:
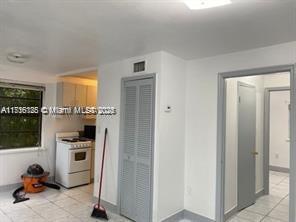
{"points": [[102, 167]]}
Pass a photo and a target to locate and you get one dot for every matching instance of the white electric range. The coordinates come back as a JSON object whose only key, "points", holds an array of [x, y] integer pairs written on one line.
{"points": [[73, 160]]}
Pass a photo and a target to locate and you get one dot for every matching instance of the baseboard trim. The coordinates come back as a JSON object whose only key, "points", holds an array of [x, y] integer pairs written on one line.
{"points": [[175, 217], [260, 194], [107, 205], [279, 169], [195, 217], [187, 215], [10, 187], [231, 213]]}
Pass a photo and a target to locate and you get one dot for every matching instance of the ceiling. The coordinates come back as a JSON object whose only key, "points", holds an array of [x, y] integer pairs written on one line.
{"points": [[64, 35]]}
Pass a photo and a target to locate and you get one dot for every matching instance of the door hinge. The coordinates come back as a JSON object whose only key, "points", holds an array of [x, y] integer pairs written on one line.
{"points": [[239, 99]]}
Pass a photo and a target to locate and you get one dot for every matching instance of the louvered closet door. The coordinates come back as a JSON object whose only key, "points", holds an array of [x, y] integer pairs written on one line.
{"points": [[127, 199], [137, 158]]}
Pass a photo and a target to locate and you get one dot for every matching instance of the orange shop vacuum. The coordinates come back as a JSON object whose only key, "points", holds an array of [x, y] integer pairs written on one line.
{"points": [[34, 181]]}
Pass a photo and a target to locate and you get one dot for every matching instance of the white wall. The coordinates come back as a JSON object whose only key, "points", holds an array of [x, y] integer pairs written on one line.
{"points": [[13, 164], [201, 118], [277, 80], [172, 137], [169, 135], [231, 143], [279, 129], [279, 146]]}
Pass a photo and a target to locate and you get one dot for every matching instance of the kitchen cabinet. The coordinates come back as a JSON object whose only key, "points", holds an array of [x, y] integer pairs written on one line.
{"points": [[91, 98], [71, 94], [80, 95], [66, 94]]}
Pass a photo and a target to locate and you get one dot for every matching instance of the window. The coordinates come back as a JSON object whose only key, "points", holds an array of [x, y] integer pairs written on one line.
{"points": [[23, 129]]}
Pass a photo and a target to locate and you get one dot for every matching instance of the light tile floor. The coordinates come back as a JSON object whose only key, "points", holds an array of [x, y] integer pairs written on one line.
{"points": [[73, 205], [271, 208]]}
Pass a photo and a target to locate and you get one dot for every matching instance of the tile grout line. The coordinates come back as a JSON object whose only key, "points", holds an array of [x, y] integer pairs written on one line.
{"points": [[71, 204], [277, 204], [52, 202], [274, 208], [281, 181], [5, 214]]}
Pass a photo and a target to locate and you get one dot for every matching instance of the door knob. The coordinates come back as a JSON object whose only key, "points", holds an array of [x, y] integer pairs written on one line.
{"points": [[255, 153]]}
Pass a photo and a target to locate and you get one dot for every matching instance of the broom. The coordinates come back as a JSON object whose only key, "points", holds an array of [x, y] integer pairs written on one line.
{"points": [[99, 211]]}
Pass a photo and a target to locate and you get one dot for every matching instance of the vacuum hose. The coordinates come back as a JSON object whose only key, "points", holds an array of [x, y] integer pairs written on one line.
{"points": [[18, 196]]}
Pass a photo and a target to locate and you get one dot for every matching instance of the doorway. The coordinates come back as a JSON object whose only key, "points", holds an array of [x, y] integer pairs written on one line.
{"points": [[137, 148], [222, 125], [277, 133]]}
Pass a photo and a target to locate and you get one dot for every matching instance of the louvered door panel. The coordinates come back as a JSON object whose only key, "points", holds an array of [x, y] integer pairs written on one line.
{"points": [[144, 150], [144, 124], [128, 188], [143, 189], [130, 120], [127, 198]]}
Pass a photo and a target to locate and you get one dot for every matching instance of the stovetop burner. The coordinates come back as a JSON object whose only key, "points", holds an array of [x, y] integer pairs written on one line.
{"points": [[74, 140]]}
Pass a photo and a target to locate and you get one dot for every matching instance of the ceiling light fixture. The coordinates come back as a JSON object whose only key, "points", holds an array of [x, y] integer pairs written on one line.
{"points": [[204, 4], [16, 57]]}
